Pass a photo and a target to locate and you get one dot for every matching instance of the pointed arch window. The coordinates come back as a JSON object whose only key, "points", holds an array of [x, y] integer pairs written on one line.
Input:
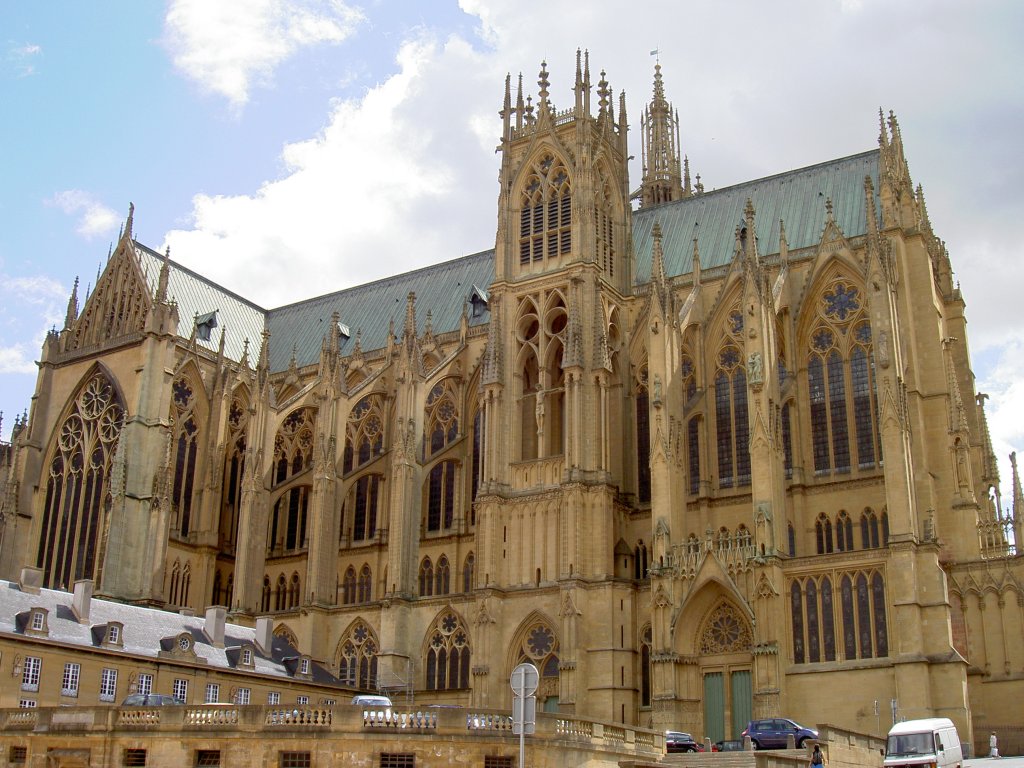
{"points": [[604, 228], [348, 586], [442, 576], [640, 561], [265, 597], [441, 416], [731, 425], [541, 392], [426, 577], [841, 382], [185, 442], [645, 666], [357, 658], [365, 586], [293, 444], [545, 217], [844, 532], [823, 534], [813, 619], [868, 529], [643, 437], [234, 467], [540, 647], [467, 573], [77, 484], [364, 433], [447, 662], [294, 591], [281, 594]]}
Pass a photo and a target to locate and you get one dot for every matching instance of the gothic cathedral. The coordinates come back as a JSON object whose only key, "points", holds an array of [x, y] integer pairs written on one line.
{"points": [[700, 456]]}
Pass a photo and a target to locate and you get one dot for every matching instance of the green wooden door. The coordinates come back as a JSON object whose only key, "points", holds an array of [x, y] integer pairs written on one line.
{"points": [[714, 706], [742, 700]]}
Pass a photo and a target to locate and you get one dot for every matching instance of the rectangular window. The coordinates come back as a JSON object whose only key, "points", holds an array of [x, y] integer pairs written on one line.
{"points": [[114, 635], [293, 760], [242, 696], [180, 689], [208, 758], [304, 667], [28, 704], [397, 760], [273, 698], [108, 684], [69, 685], [212, 693], [302, 700], [499, 761], [30, 673], [18, 755], [145, 684], [134, 757], [37, 621]]}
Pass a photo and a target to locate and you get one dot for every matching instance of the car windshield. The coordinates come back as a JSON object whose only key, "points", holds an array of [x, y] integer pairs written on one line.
{"points": [[910, 744]]}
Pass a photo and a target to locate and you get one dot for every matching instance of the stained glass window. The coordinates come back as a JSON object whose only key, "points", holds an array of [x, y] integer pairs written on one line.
{"points": [[828, 623], [643, 447], [348, 587], [185, 438], [441, 496], [844, 532], [813, 626], [364, 433], [881, 628], [426, 577], [357, 658], [849, 626], [797, 615], [76, 485], [442, 576], [365, 585], [863, 617], [693, 453], [448, 654], [366, 499]]}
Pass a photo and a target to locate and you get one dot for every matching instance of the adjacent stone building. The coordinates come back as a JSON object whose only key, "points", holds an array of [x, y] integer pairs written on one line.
{"points": [[698, 455]]}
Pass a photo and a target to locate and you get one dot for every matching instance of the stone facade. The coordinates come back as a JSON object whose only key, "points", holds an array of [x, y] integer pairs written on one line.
{"points": [[639, 444]]}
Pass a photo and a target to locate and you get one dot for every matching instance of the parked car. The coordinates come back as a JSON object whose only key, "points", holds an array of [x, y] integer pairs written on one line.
{"points": [[151, 700], [728, 745], [677, 741], [370, 700], [773, 732]]}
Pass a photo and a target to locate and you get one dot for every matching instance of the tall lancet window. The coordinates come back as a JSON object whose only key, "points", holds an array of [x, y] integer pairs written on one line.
{"points": [[234, 466], [442, 420], [185, 444], [540, 338], [545, 217], [604, 228], [643, 436], [77, 484], [841, 382], [293, 456], [732, 428]]}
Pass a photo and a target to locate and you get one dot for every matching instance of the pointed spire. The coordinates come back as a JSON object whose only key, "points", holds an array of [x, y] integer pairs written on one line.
{"points": [[165, 272], [1018, 497], [410, 317], [506, 109], [883, 135], [990, 465], [245, 353], [662, 179], [72, 312], [543, 105], [520, 108], [128, 223]]}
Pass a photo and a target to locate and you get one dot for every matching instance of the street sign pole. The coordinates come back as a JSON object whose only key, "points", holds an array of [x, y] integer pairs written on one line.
{"points": [[524, 680]]}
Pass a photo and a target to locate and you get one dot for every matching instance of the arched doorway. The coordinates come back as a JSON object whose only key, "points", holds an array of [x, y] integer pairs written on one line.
{"points": [[724, 643]]}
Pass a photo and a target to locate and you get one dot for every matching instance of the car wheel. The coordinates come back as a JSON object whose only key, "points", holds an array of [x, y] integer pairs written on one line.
{"points": [[800, 744], [754, 744]]}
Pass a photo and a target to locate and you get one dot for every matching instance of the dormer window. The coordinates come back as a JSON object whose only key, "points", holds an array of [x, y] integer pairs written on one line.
{"points": [[304, 667], [247, 657], [184, 642], [38, 620], [205, 324], [114, 634], [478, 300], [344, 332]]}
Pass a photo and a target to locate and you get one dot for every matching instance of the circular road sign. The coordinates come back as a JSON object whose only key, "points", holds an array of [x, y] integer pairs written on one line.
{"points": [[524, 679]]}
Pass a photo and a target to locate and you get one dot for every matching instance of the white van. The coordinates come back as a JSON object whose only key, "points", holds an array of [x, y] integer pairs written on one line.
{"points": [[933, 742], [369, 700]]}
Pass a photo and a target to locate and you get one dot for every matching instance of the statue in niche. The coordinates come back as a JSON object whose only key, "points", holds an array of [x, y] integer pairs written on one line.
{"points": [[755, 372]]}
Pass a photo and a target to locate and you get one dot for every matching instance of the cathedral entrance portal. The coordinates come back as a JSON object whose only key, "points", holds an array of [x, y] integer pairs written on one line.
{"points": [[724, 645]]}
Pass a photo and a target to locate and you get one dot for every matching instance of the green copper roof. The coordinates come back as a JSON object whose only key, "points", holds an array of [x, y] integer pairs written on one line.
{"points": [[796, 197]]}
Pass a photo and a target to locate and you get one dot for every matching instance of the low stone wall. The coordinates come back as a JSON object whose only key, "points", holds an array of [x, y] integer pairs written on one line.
{"points": [[256, 737]]}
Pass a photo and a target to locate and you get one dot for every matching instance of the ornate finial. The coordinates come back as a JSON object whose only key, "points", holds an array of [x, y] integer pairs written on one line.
{"points": [[603, 93], [131, 218], [828, 208], [245, 353], [543, 82], [72, 313], [410, 316], [165, 270], [883, 134]]}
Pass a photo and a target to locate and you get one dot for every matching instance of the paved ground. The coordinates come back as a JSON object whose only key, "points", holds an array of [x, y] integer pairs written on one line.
{"points": [[988, 762]]}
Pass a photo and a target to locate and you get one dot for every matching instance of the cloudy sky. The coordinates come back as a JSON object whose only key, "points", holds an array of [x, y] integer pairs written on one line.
{"points": [[291, 148]]}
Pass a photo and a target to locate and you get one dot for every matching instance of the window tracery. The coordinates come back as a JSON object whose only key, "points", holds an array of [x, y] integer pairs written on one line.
{"points": [[293, 444], [540, 340], [841, 382], [442, 577], [364, 501], [364, 433], [441, 416], [357, 657], [725, 631], [441, 492], [448, 654], [858, 622], [185, 439], [77, 484], [426, 577], [348, 586], [467, 573], [545, 217], [540, 647]]}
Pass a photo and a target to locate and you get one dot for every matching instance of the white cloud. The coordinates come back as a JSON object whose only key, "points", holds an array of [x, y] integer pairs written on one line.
{"points": [[21, 58], [94, 218], [35, 298], [16, 360], [226, 47]]}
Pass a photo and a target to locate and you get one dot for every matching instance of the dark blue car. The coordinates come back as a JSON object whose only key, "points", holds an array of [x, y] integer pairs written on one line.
{"points": [[772, 733]]}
